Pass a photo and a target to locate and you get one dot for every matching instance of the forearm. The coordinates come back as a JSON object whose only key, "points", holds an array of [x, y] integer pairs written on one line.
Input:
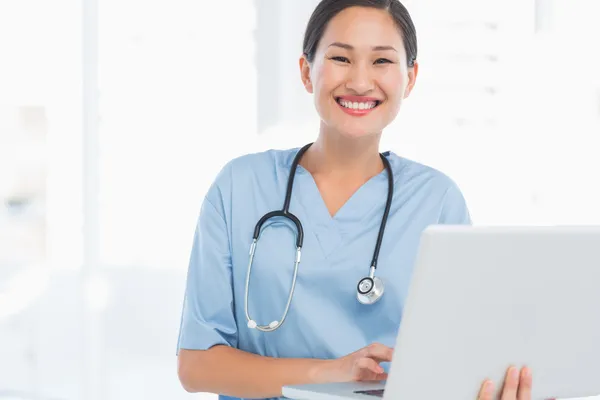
{"points": [[232, 372]]}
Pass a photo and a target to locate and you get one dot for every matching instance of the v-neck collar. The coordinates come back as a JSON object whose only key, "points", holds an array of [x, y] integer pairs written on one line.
{"points": [[329, 230]]}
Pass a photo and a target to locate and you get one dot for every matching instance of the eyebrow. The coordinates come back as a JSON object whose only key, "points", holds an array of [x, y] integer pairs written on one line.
{"points": [[349, 47]]}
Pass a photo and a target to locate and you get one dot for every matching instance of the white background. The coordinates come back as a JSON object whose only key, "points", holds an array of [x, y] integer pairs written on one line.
{"points": [[142, 104]]}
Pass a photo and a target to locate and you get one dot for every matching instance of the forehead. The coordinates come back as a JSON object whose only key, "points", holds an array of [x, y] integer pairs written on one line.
{"points": [[363, 27]]}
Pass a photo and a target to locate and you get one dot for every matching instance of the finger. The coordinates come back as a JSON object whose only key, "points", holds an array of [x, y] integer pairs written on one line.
{"points": [[381, 377], [487, 391], [525, 384], [369, 376], [379, 352], [511, 384], [368, 369]]}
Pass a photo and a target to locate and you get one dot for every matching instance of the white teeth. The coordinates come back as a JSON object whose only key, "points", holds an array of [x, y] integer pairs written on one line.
{"points": [[358, 106]]}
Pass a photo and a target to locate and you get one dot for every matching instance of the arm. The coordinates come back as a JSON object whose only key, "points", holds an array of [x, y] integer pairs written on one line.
{"points": [[236, 373], [454, 209], [208, 355], [226, 370], [208, 358]]}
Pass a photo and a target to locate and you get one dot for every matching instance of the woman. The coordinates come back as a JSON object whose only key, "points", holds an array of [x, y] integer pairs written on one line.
{"points": [[359, 63]]}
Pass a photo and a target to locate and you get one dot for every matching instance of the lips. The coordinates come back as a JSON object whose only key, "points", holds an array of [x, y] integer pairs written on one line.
{"points": [[357, 105]]}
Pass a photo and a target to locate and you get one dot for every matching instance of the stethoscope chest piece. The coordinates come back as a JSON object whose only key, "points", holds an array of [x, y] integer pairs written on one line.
{"points": [[369, 290]]}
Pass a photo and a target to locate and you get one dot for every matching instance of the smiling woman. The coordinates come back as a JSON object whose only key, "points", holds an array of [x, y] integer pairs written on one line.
{"points": [[348, 209], [371, 67]]}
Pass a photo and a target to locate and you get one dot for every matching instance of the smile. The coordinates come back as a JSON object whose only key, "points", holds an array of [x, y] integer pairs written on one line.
{"points": [[357, 106]]}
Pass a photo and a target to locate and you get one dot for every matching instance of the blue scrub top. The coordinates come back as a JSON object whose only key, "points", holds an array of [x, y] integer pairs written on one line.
{"points": [[325, 320]]}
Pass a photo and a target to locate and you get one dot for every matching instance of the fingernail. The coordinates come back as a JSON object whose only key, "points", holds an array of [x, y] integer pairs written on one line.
{"points": [[489, 388], [526, 373], [514, 373]]}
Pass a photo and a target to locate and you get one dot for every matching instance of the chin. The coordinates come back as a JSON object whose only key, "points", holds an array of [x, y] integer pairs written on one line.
{"points": [[357, 131], [353, 127], [358, 124]]}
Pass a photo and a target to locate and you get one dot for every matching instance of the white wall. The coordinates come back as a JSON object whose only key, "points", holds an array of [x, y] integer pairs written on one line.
{"points": [[170, 78]]}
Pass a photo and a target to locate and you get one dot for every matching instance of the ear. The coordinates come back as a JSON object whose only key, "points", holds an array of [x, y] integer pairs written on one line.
{"points": [[412, 79], [305, 74]]}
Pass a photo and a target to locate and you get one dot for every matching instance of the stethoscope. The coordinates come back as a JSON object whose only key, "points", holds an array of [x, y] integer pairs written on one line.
{"points": [[369, 289]]}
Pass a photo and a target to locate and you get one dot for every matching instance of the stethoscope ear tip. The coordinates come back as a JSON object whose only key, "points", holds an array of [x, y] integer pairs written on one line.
{"points": [[253, 325]]}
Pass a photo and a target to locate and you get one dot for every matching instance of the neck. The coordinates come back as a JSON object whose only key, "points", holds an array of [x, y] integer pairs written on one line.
{"points": [[336, 155]]}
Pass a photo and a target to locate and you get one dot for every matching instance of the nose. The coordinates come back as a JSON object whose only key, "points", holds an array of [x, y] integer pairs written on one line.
{"points": [[360, 80]]}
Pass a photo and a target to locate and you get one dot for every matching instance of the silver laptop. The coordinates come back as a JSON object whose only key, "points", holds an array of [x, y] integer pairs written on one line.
{"points": [[482, 298]]}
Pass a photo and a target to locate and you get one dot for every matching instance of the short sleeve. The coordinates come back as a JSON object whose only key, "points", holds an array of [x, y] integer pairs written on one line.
{"points": [[454, 208], [208, 315]]}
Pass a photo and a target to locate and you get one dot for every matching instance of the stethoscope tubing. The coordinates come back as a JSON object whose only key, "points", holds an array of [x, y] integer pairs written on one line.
{"points": [[376, 290]]}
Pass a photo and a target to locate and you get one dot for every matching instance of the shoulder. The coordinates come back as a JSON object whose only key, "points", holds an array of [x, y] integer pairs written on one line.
{"points": [[249, 169], [261, 161], [412, 173], [254, 164], [430, 185]]}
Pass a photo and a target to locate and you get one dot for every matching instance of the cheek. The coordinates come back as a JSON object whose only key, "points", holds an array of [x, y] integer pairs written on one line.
{"points": [[394, 86], [329, 78]]}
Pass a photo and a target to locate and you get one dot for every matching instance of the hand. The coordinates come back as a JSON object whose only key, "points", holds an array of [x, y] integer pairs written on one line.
{"points": [[517, 386], [362, 365]]}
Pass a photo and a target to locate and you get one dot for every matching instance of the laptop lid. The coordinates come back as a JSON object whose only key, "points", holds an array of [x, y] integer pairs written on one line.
{"points": [[483, 298]]}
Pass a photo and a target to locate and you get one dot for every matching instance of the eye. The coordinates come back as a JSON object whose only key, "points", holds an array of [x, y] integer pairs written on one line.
{"points": [[383, 61], [340, 59]]}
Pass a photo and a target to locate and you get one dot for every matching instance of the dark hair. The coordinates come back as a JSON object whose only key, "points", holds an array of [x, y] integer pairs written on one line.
{"points": [[327, 9]]}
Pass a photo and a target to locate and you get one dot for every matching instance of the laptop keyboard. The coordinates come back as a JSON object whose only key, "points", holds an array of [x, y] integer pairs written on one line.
{"points": [[373, 392]]}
